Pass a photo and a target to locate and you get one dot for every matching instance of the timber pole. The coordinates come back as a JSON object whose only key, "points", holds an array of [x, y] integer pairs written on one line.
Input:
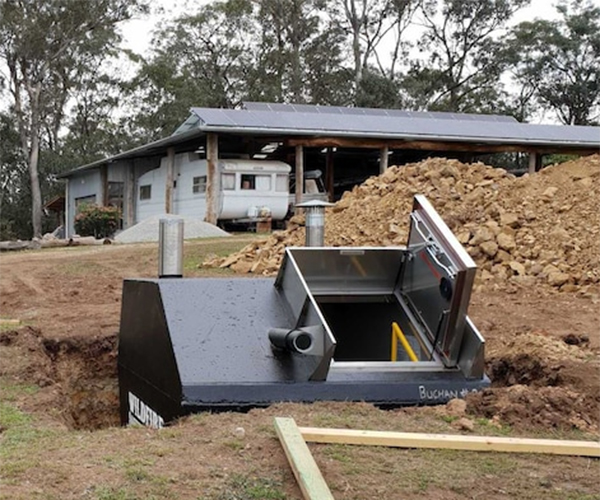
{"points": [[212, 181], [383, 159], [329, 175], [299, 177], [169, 181], [532, 162], [129, 215], [104, 185]]}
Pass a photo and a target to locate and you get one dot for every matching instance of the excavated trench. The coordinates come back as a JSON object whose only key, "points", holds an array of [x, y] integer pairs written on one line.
{"points": [[526, 388], [531, 389], [80, 371], [85, 371]]}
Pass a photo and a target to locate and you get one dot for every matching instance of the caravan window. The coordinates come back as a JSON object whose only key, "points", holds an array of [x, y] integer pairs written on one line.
{"points": [[146, 192], [256, 182], [248, 181], [281, 183], [199, 184], [228, 182], [263, 183]]}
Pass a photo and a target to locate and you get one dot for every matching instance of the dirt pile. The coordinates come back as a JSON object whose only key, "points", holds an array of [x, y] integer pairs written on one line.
{"points": [[536, 228]]}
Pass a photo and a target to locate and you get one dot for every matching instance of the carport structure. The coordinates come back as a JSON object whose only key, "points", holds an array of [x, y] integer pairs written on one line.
{"points": [[347, 144]]}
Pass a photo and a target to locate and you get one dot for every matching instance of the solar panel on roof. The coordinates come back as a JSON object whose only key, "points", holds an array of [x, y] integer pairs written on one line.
{"points": [[411, 126], [309, 108]]}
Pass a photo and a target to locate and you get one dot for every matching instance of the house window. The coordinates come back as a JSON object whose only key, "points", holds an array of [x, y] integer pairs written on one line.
{"points": [[228, 182], [115, 194], [248, 181], [146, 192], [199, 184], [81, 202]]}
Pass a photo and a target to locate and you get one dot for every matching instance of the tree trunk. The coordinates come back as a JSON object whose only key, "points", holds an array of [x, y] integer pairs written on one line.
{"points": [[36, 192]]}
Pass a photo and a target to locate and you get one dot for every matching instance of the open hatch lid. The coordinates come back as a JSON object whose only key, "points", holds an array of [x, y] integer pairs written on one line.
{"points": [[436, 280]]}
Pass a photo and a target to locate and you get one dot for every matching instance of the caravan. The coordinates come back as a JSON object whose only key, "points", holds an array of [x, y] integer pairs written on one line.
{"points": [[249, 190]]}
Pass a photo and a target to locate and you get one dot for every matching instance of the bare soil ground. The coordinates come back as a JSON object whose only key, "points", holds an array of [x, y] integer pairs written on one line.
{"points": [[59, 409]]}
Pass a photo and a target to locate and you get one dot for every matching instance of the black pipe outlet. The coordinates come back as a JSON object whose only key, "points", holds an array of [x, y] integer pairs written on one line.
{"points": [[291, 340]]}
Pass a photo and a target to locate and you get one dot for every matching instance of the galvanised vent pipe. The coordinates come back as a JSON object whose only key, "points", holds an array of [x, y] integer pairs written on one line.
{"points": [[170, 250], [315, 221]]}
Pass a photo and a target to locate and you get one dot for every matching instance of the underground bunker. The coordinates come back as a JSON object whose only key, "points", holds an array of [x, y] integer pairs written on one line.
{"points": [[388, 326]]}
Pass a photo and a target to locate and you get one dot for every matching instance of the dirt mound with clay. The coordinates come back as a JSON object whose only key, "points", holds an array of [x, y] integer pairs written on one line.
{"points": [[540, 228]]}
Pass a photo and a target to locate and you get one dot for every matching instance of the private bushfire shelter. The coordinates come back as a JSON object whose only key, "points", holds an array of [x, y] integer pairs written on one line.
{"points": [[358, 142]]}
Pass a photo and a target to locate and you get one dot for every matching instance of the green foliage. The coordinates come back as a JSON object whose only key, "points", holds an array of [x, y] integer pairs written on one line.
{"points": [[97, 221], [558, 61], [464, 63]]}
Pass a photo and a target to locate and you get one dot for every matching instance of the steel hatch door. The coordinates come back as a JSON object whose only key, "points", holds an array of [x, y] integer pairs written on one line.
{"points": [[436, 280]]}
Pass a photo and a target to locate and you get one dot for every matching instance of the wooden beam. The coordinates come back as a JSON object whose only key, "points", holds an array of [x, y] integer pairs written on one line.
{"points": [[299, 177], [343, 142], [169, 181], [449, 441], [129, 208], [383, 159], [104, 185], [212, 178], [532, 162], [307, 473], [329, 174]]}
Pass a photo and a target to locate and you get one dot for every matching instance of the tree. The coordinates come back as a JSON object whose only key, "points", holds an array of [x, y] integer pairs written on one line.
{"points": [[368, 23], [462, 70], [301, 53], [559, 61], [45, 46], [198, 59]]}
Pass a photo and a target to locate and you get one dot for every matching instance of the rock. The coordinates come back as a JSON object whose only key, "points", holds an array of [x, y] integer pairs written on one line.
{"points": [[490, 248], [510, 220], [464, 237], [536, 269], [503, 256], [464, 424], [517, 267], [456, 407], [493, 226], [550, 192], [561, 234], [481, 235], [506, 242], [558, 278], [550, 269], [239, 432]]}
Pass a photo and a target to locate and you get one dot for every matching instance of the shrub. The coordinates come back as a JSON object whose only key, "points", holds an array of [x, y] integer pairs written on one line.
{"points": [[97, 221]]}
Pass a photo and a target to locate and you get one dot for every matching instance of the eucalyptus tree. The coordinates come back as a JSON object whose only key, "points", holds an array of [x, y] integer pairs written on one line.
{"points": [[558, 61], [198, 59], [301, 53], [377, 36], [462, 62], [45, 46]]}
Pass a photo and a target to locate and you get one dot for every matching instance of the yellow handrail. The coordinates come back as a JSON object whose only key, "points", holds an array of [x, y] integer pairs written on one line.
{"points": [[397, 334]]}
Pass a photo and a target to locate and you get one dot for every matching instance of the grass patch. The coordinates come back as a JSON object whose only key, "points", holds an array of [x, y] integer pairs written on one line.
{"points": [[79, 268], [252, 488], [115, 494], [197, 251], [11, 392]]}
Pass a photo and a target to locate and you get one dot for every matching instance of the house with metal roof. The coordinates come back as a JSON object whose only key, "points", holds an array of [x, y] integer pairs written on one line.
{"points": [[346, 144]]}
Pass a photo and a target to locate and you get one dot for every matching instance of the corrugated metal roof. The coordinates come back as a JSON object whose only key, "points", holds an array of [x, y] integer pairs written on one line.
{"points": [[307, 108], [391, 124], [302, 123]]}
